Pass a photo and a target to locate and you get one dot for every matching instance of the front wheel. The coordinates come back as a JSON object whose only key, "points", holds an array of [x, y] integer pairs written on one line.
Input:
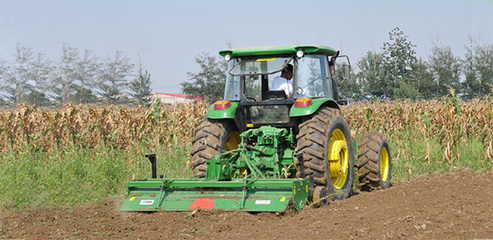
{"points": [[374, 162]]}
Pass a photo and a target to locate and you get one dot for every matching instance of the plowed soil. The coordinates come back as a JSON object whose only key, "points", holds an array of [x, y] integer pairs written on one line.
{"points": [[456, 205]]}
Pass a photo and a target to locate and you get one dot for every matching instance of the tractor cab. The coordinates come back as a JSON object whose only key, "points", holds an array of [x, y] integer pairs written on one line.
{"points": [[250, 77]]}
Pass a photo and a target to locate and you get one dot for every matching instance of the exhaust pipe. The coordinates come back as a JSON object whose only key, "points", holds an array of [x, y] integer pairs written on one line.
{"points": [[152, 159]]}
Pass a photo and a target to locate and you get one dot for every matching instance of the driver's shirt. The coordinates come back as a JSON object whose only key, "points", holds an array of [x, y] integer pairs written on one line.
{"points": [[280, 83]]}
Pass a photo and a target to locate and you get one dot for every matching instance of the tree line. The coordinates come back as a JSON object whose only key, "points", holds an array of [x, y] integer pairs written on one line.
{"points": [[77, 76], [394, 72]]}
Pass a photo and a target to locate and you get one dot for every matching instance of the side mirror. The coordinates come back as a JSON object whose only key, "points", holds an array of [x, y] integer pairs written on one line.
{"points": [[346, 71], [345, 67]]}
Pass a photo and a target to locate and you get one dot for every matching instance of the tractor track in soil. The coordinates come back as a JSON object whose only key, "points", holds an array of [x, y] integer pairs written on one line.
{"points": [[456, 205]]}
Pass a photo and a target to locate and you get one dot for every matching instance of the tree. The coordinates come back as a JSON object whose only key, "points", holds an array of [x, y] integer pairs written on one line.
{"points": [[3, 76], [426, 88], [140, 87], [36, 97], [370, 76], [399, 59], [446, 69], [85, 72], [63, 81], [17, 77], [484, 66], [478, 69], [28, 74], [113, 77], [39, 74], [83, 95], [209, 81]]}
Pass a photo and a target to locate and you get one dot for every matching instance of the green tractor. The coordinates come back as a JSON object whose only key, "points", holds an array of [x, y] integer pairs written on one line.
{"points": [[265, 148]]}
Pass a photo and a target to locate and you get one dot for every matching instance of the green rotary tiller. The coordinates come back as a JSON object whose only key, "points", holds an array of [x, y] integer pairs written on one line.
{"points": [[254, 177]]}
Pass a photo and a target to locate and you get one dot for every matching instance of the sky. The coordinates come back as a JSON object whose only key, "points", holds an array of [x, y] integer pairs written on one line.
{"points": [[170, 34]]}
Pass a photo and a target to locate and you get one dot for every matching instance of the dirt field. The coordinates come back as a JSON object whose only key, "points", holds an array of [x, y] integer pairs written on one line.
{"points": [[455, 205]]}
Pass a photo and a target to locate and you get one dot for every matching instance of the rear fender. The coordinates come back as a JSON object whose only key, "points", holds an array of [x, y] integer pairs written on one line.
{"points": [[313, 107], [228, 113]]}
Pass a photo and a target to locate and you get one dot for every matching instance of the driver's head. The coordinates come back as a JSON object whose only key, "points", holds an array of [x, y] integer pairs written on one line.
{"points": [[287, 72]]}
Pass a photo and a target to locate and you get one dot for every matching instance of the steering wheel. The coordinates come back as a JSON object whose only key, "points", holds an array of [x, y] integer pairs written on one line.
{"points": [[301, 91]]}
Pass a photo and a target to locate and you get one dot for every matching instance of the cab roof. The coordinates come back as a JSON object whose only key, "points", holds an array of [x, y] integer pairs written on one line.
{"points": [[275, 50]]}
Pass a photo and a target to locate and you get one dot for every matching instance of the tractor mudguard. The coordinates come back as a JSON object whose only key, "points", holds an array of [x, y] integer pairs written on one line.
{"points": [[227, 113], [313, 107]]}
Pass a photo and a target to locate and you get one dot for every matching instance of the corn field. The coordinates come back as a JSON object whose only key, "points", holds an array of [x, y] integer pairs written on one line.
{"points": [[88, 126], [447, 121]]}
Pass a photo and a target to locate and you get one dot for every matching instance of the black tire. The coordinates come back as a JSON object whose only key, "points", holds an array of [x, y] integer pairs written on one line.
{"points": [[374, 162], [320, 196], [211, 138], [315, 145]]}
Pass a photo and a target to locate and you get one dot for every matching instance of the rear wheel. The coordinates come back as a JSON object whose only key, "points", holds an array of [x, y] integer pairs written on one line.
{"points": [[212, 137], [374, 162], [328, 154]]}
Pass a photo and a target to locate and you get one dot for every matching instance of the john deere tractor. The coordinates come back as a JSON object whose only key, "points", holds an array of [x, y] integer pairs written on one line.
{"points": [[265, 149]]}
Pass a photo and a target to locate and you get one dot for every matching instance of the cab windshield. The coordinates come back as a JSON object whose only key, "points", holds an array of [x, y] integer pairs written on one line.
{"points": [[260, 65], [254, 76]]}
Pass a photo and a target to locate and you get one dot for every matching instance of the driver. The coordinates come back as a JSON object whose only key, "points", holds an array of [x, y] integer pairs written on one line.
{"points": [[283, 82]]}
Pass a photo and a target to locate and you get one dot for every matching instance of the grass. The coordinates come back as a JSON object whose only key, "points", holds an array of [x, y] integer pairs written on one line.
{"points": [[74, 176], [412, 165]]}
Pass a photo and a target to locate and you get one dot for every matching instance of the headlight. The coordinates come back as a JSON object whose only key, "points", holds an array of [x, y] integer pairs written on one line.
{"points": [[300, 53]]}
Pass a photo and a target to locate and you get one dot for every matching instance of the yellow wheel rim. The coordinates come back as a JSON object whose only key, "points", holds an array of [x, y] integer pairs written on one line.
{"points": [[337, 155], [384, 164], [232, 141]]}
